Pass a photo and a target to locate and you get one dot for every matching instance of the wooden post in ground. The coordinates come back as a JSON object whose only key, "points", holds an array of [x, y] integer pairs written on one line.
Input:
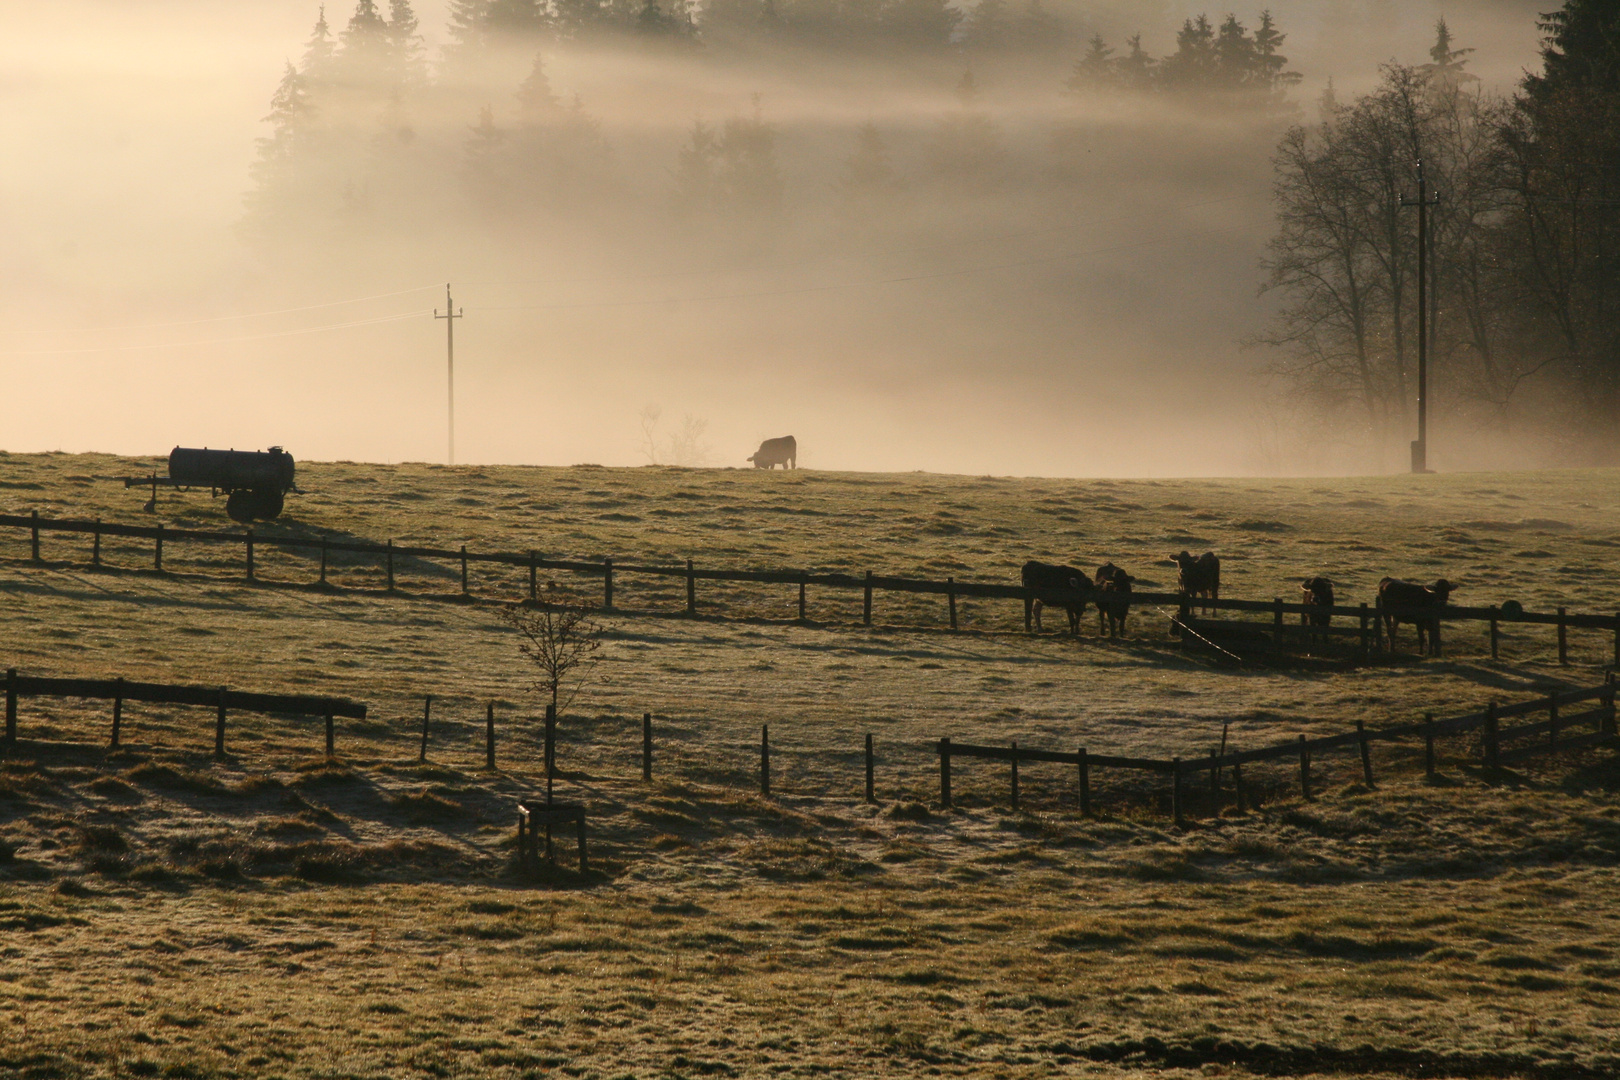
{"points": [[11, 707], [534, 585], [118, 710], [463, 569], [1617, 641], [1304, 769], [1015, 774], [33, 535], [157, 550], [95, 546], [427, 714], [866, 607], [390, 565], [950, 594], [323, 560], [1563, 640], [764, 759], [691, 589], [1029, 614], [945, 773], [1175, 793], [248, 537], [1085, 784], [804, 579], [1428, 745], [1493, 740], [646, 746], [1366, 753], [607, 584], [489, 736], [331, 737], [1496, 635], [219, 727], [871, 769], [1608, 724]]}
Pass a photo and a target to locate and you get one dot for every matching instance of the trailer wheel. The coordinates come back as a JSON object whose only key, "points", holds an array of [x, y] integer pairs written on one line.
{"points": [[239, 505], [267, 504]]}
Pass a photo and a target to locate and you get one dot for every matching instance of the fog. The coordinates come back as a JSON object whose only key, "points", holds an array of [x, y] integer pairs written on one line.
{"points": [[1053, 284]]}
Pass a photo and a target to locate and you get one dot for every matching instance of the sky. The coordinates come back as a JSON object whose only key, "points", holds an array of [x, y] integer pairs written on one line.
{"points": [[1080, 317]]}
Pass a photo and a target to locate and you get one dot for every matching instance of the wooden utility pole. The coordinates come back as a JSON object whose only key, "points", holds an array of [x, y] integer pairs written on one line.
{"points": [[450, 316], [1425, 199]]}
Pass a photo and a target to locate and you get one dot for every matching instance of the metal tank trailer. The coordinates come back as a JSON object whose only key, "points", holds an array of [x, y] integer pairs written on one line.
{"points": [[255, 482]]}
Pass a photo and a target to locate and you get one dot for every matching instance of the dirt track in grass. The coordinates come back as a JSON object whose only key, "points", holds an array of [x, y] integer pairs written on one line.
{"points": [[275, 913]]}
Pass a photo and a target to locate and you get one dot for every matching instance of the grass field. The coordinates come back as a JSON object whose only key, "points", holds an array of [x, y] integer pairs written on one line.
{"points": [[277, 914]]}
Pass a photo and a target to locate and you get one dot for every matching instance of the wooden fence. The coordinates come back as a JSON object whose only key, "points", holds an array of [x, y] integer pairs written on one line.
{"points": [[1368, 618], [1560, 731], [221, 699]]}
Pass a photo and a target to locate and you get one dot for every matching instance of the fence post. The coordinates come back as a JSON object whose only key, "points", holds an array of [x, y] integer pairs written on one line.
{"points": [[607, 584], [1015, 774], [1496, 613], [1552, 718], [219, 727], [390, 565], [804, 580], [323, 560], [646, 746], [95, 550], [945, 772], [463, 569], [950, 594], [427, 713], [1366, 753], [866, 607], [489, 736], [11, 707], [1029, 614], [33, 534], [1608, 702], [533, 586], [249, 539], [1563, 641], [1493, 741], [1305, 767], [118, 709], [870, 768], [157, 551], [1175, 793], [551, 748], [691, 589], [1364, 643], [331, 736], [1617, 640], [1428, 745], [764, 759], [1085, 784]]}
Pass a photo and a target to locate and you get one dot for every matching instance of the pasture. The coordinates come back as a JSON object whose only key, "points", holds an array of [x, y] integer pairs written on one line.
{"points": [[274, 913]]}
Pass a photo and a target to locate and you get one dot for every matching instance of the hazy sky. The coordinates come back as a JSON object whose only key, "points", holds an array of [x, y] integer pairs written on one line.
{"points": [[1082, 320]]}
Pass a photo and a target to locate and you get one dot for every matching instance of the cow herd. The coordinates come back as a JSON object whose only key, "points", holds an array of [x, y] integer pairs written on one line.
{"points": [[1199, 578]]}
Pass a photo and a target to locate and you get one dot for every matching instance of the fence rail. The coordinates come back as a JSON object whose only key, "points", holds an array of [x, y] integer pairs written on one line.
{"points": [[1369, 618]]}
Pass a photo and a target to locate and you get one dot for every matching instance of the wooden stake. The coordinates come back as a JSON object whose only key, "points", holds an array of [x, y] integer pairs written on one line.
{"points": [[489, 736], [1304, 769], [950, 594], [427, 714], [1366, 753], [944, 772], [764, 759], [646, 746], [1085, 784], [691, 589], [870, 770], [1015, 774], [219, 727]]}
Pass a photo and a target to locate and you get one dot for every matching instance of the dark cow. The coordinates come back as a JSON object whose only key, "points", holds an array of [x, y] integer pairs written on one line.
{"points": [[1200, 576], [1394, 593], [772, 452], [1316, 592], [1047, 581], [1113, 599]]}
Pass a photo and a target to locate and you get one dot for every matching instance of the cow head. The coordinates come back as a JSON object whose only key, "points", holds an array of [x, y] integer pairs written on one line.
{"points": [[1442, 590]]}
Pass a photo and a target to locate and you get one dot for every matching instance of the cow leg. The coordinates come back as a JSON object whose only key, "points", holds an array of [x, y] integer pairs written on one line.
{"points": [[1037, 607]]}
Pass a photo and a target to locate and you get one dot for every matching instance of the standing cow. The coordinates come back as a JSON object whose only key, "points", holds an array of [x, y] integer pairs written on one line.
{"points": [[1113, 599], [1056, 585], [772, 452], [1407, 595], [1200, 576], [1316, 592]]}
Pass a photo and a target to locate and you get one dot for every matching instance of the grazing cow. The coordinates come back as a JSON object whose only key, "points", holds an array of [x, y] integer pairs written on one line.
{"points": [[1316, 592], [772, 452], [1394, 593], [1046, 580], [1200, 576], [1113, 600]]}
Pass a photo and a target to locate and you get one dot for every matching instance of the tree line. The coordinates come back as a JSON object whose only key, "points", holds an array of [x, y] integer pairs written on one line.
{"points": [[1524, 243]]}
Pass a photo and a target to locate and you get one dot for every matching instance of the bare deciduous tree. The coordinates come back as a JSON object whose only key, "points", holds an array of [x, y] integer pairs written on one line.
{"points": [[560, 637]]}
